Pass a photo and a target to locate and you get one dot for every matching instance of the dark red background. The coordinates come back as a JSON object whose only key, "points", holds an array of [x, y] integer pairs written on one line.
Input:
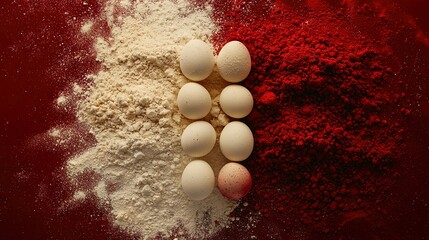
{"points": [[37, 47]]}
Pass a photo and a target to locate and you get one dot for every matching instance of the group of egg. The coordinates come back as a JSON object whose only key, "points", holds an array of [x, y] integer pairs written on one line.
{"points": [[198, 139]]}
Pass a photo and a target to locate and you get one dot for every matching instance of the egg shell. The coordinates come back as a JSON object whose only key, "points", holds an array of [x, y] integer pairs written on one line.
{"points": [[234, 62], [194, 101], [236, 141], [236, 101], [234, 181], [198, 139], [198, 180], [196, 60]]}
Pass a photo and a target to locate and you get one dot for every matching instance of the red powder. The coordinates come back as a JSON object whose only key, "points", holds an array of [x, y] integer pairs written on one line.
{"points": [[326, 134]]}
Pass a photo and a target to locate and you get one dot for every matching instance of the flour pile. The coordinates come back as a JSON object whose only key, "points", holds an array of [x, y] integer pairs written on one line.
{"points": [[131, 111]]}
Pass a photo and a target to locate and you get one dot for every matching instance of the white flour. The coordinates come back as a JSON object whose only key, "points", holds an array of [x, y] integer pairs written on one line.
{"points": [[132, 113], [86, 27]]}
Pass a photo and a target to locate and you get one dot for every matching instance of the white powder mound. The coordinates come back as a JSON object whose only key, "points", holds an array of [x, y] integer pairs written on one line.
{"points": [[131, 110]]}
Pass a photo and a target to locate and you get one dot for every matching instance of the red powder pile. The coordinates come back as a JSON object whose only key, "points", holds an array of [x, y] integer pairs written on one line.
{"points": [[326, 134]]}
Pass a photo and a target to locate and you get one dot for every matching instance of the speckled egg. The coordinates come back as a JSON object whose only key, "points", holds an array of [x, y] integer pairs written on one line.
{"points": [[234, 181]]}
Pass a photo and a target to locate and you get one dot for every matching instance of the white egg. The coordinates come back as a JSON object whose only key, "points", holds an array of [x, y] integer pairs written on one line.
{"points": [[198, 139], [236, 101], [233, 62], [194, 101], [196, 60], [236, 141], [198, 180]]}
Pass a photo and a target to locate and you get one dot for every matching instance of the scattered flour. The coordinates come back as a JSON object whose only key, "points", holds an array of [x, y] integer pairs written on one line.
{"points": [[86, 27], [65, 137], [60, 135], [62, 101], [68, 98], [79, 196], [77, 89], [131, 111], [54, 132]]}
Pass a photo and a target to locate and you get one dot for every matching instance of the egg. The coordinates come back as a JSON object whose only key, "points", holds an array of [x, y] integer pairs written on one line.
{"points": [[194, 101], [198, 180], [198, 139], [234, 181], [236, 141], [233, 62], [196, 60], [236, 101]]}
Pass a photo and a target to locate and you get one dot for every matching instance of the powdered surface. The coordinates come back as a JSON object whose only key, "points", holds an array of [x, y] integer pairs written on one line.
{"points": [[131, 110]]}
